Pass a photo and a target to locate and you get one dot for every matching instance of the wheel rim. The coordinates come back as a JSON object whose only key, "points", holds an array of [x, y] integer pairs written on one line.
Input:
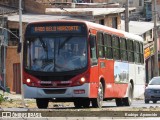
{"points": [[130, 97], [100, 94]]}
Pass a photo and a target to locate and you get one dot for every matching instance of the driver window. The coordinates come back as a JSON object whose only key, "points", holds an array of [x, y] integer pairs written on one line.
{"points": [[93, 50], [37, 49]]}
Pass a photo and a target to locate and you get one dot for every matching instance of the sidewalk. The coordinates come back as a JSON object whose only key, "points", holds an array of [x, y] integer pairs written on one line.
{"points": [[11, 96]]}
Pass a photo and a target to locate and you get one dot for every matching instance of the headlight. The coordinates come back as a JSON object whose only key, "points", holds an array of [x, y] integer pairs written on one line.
{"points": [[28, 80], [83, 79]]}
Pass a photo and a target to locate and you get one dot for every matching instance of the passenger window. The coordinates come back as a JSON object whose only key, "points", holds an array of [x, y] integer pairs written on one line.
{"points": [[141, 52], [123, 49], [100, 45], [116, 47], [137, 52], [130, 50], [108, 46]]}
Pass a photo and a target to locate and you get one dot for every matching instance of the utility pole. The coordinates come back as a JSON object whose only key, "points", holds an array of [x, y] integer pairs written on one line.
{"points": [[127, 16], [156, 66], [4, 55], [21, 53]]}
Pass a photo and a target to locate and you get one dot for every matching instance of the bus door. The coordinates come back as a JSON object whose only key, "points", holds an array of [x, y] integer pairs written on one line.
{"points": [[94, 66], [101, 56]]}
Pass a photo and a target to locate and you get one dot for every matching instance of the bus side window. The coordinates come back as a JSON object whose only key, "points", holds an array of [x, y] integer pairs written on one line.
{"points": [[108, 46], [116, 47], [100, 45], [141, 52], [130, 50], [93, 49], [137, 52], [123, 49]]}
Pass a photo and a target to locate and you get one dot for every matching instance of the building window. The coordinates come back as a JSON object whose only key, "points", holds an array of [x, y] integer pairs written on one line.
{"points": [[140, 2], [130, 2], [114, 22], [13, 40], [151, 33], [101, 21], [144, 36]]}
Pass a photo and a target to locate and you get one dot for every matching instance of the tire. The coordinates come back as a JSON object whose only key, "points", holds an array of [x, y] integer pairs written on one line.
{"points": [[146, 101], [128, 100], [97, 102], [82, 103], [86, 103], [42, 103], [154, 101], [77, 104], [119, 102]]}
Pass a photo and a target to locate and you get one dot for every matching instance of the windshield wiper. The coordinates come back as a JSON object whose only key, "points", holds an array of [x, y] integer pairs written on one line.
{"points": [[44, 46], [63, 43]]}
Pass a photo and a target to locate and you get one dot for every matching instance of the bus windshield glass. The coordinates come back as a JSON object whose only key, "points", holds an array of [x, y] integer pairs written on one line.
{"points": [[56, 54]]}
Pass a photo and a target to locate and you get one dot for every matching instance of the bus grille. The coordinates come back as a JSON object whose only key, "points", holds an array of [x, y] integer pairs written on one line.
{"points": [[55, 78], [55, 91]]}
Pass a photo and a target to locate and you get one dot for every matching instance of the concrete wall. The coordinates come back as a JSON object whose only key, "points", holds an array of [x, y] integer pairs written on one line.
{"points": [[132, 3], [108, 21], [34, 7], [11, 58]]}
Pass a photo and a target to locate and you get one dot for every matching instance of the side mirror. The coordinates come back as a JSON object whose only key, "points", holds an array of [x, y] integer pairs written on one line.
{"points": [[19, 47], [92, 41]]}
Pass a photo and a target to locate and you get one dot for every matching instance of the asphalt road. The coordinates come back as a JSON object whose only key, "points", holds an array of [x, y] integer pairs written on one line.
{"points": [[135, 104], [109, 110], [107, 105]]}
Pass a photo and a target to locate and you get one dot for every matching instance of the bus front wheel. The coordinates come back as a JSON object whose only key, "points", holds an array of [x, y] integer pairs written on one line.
{"points": [[42, 103], [82, 103], [97, 102]]}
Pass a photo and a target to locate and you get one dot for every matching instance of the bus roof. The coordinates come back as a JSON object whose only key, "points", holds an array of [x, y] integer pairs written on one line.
{"points": [[116, 31], [100, 28]]}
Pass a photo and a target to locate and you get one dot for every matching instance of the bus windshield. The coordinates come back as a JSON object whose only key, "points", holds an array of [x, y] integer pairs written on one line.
{"points": [[56, 54]]}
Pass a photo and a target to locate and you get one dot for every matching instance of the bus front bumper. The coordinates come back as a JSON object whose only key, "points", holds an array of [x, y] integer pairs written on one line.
{"points": [[66, 92]]}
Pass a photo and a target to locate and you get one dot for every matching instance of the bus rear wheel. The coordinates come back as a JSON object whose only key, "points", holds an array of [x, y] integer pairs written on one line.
{"points": [[77, 104], [42, 103], [128, 100], [97, 102], [119, 101]]}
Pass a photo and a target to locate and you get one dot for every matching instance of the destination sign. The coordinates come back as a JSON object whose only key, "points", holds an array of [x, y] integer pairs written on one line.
{"points": [[56, 29]]}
